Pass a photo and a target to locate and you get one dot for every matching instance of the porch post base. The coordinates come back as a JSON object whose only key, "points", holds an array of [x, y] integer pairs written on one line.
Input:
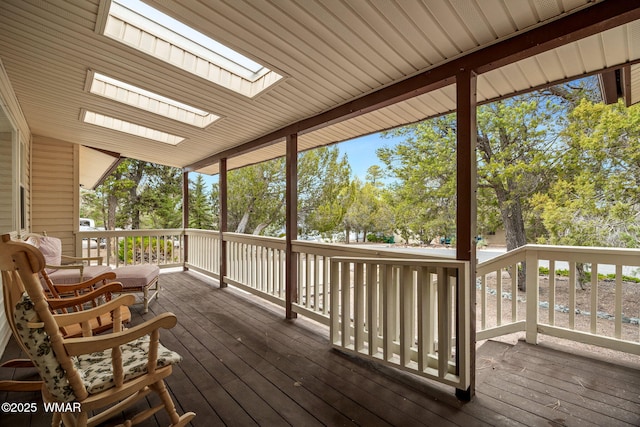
{"points": [[464, 395]]}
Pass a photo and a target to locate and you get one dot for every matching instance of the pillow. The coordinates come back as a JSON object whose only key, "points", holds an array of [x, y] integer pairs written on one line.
{"points": [[51, 248]]}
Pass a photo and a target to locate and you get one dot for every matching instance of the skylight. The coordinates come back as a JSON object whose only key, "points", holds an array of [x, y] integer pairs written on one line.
{"points": [[130, 128], [144, 28], [120, 91]]}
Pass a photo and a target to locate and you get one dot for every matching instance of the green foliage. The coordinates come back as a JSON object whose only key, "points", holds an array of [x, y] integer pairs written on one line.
{"points": [[323, 197], [140, 247], [200, 207], [424, 168], [368, 210], [379, 238], [595, 200], [256, 194], [136, 195]]}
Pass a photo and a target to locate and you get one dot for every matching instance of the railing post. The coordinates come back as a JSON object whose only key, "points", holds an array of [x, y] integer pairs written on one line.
{"points": [[223, 221], [532, 294], [291, 274], [185, 219]]}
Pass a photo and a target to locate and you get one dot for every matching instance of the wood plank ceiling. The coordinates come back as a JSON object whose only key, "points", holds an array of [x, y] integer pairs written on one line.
{"points": [[330, 52]]}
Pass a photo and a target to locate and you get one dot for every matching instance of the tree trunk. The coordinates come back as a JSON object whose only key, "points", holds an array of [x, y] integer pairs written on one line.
{"points": [[511, 212], [581, 277], [242, 225], [259, 228], [112, 204], [110, 224]]}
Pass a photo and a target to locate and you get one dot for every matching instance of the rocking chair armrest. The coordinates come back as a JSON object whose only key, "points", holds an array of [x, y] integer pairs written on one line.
{"points": [[67, 319], [87, 284], [87, 345], [66, 302], [88, 259]]}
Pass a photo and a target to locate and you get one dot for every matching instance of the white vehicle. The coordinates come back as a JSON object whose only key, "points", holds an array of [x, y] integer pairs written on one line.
{"points": [[87, 224]]}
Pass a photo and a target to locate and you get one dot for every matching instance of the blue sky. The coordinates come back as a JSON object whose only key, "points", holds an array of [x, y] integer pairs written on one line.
{"points": [[361, 153]]}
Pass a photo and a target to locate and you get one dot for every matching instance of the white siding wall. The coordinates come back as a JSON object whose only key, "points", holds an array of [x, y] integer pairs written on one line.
{"points": [[54, 186], [6, 181], [12, 109]]}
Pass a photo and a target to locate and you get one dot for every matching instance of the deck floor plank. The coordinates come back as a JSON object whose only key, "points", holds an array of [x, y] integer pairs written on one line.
{"points": [[244, 364]]}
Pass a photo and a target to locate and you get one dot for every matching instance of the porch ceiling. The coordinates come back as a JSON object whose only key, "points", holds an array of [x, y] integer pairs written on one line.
{"points": [[330, 53]]}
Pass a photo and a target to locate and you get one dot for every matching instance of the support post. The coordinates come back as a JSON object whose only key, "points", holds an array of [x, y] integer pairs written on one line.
{"points": [[466, 203], [223, 220], [533, 296], [185, 219], [291, 276]]}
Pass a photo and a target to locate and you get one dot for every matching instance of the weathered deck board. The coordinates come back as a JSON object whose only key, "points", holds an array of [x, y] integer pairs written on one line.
{"points": [[245, 365]]}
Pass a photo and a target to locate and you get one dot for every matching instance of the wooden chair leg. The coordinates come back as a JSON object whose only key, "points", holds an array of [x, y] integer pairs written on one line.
{"points": [[57, 419], [176, 420], [68, 419], [146, 299]]}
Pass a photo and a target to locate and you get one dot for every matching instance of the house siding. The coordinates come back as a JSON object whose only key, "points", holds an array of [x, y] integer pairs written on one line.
{"points": [[54, 188], [11, 176]]}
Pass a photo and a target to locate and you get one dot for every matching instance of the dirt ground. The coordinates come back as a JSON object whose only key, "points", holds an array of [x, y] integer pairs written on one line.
{"points": [[605, 307]]}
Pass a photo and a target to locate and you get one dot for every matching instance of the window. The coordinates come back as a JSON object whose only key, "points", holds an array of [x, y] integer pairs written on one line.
{"points": [[7, 178], [128, 127], [125, 93], [142, 27]]}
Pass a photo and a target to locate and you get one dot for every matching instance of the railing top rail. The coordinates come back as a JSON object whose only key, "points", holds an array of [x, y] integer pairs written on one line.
{"points": [[194, 231], [416, 262], [589, 254], [252, 239], [501, 260], [337, 249], [127, 233], [582, 249]]}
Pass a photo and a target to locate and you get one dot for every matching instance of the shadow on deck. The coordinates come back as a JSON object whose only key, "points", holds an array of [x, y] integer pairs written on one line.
{"points": [[245, 365]]}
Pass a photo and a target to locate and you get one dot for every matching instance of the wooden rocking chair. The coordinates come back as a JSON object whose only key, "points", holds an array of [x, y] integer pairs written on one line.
{"points": [[72, 298], [87, 372]]}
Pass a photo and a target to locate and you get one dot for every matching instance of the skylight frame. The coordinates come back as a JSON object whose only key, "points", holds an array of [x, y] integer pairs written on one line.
{"points": [[124, 126], [156, 38], [128, 94]]}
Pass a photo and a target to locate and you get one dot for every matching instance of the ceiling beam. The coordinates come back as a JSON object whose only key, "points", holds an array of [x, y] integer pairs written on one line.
{"points": [[584, 23]]}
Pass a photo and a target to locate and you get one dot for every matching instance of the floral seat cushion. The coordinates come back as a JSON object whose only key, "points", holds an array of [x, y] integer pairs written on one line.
{"points": [[38, 344], [96, 369]]}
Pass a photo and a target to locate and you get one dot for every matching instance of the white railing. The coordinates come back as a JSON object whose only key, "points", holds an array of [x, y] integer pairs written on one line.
{"points": [[314, 264], [411, 314], [555, 302], [204, 252], [132, 247], [257, 265], [552, 304]]}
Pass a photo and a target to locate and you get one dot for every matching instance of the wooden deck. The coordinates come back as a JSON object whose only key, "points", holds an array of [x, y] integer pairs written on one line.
{"points": [[244, 365]]}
